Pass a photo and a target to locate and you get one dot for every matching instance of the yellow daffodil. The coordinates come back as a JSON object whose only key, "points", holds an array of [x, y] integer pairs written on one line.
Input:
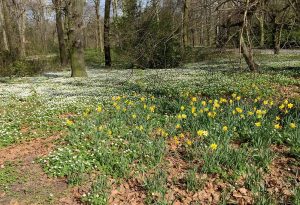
{"points": [[152, 108], [293, 125], [69, 122], [250, 113], [202, 133], [290, 105], [99, 109], [189, 142], [183, 116], [286, 102], [277, 126], [234, 95], [238, 98], [203, 103], [194, 99], [239, 110], [176, 140], [178, 126], [133, 116], [143, 99], [225, 128], [182, 108], [216, 105], [258, 124], [213, 146], [277, 118], [193, 110], [101, 127], [281, 106]]}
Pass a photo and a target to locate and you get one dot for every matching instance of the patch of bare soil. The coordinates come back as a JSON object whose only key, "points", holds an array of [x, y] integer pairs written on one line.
{"points": [[283, 174], [28, 150], [210, 191], [33, 185], [292, 91], [279, 181]]}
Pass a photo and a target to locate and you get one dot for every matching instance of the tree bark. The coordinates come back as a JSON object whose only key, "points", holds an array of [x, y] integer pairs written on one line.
{"points": [[60, 32], [99, 38], [76, 38], [22, 28], [277, 38], [5, 45], [14, 52], [261, 20], [248, 55], [106, 33], [185, 21]]}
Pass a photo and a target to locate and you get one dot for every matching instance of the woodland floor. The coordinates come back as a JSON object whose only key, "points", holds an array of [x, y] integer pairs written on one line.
{"points": [[33, 113]]}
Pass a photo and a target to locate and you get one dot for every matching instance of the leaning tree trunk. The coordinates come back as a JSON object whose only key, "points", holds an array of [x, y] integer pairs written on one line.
{"points": [[248, 55], [76, 38], [106, 33], [60, 32]]}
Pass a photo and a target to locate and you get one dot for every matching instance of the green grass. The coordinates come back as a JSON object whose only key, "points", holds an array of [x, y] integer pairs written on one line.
{"points": [[223, 123], [8, 176]]}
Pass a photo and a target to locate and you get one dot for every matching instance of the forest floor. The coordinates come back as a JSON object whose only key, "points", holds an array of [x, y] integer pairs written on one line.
{"points": [[205, 133]]}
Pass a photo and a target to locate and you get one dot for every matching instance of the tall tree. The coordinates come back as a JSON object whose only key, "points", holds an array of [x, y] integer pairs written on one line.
{"points": [[99, 36], [75, 34], [185, 21], [3, 29], [106, 33], [8, 27], [60, 32]]}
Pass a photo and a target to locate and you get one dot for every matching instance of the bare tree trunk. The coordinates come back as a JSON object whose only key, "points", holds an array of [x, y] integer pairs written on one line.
{"points": [[7, 25], [98, 21], [247, 52], [3, 29], [22, 27], [262, 32], [106, 33], [277, 38], [261, 20], [115, 8], [60, 32], [248, 55], [185, 21], [76, 38]]}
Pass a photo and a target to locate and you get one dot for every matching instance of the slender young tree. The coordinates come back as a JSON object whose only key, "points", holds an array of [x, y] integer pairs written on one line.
{"points": [[75, 34], [106, 33]]}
